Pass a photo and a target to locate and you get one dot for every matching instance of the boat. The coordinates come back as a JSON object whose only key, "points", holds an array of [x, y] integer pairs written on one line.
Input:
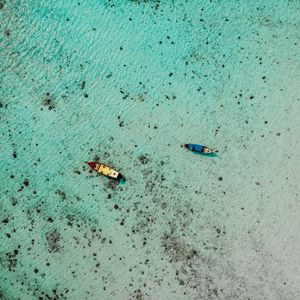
{"points": [[199, 148], [105, 170]]}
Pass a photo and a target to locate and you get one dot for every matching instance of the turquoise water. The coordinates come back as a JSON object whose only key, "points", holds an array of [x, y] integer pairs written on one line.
{"points": [[126, 82]]}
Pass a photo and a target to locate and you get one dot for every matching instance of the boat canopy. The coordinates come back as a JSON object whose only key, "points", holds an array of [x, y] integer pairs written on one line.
{"points": [[195, 147]]}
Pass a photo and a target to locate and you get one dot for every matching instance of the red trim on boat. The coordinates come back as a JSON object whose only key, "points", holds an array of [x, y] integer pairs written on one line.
{"points": [[92, 164]]}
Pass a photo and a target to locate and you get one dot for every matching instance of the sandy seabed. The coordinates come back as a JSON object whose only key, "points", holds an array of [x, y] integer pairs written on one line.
{"points": [[126, 82]]}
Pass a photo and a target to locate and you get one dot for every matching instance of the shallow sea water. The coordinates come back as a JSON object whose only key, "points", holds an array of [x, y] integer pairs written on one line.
{"points": [[127, 82]]}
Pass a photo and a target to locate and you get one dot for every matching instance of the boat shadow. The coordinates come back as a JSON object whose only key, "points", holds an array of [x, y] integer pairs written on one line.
{"points": [[122, 181], [207, 154]]}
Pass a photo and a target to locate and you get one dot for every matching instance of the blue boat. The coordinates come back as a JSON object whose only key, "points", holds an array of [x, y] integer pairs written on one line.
{"points": [[199, 148]]}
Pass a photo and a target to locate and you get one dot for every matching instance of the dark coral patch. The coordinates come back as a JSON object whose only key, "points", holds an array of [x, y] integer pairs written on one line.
{"points": [[144, 159], [61, 194], [48, 102]]}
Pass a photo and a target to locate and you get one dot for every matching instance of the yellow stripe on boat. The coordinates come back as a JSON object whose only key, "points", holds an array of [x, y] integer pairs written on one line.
{"points": [[105, 170]]}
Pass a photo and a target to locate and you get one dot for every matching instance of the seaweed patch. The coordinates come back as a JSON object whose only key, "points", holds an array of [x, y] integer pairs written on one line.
{"points": [[53, 238]]}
